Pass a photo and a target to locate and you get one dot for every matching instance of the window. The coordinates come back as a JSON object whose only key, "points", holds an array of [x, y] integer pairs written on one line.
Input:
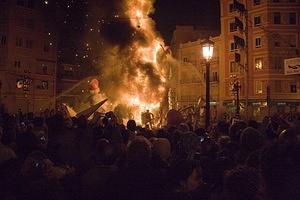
{"points": [[31, 4], [231, 7], [292, 18], [291, 40], [20, 21], [258, 87], [293, 88], [233, 46], [277, 18], [20, 2], [215, 76], [277, 44], [277, 86], [3, 40], [232, 26], [19, 42], [258, 64], [234, 67], [258, 42], [256, 2], [46, 48], [29, 23], [17, 64], [44, 68], [45, 85], [257, 21], [28, 44], [278, 63]]}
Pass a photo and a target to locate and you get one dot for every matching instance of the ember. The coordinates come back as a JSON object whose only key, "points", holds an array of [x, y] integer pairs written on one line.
{"points": [[139, 70]]}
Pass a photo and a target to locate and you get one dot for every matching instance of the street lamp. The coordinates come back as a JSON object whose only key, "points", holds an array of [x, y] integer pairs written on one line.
{"points": [[235, 89], [207, 51]]}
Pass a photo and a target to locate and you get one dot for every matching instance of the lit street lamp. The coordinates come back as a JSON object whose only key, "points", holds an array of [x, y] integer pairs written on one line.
{"points": [[207, 51]]}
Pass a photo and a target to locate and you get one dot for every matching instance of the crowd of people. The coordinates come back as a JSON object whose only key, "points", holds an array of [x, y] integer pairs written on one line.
{"points": [[57, 157]]}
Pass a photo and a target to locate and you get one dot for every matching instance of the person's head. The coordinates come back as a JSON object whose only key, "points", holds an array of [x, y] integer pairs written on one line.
{"points": [[35, 165], [280, 169], [251, 139], [241, 183], [111, 119], [236, 129], [56, 122], [254, 124], [200, 132], [223, 141], [288, 136], [131, 125], [186, 146], [6, 155], [183, 127], [185, 176], [223, 127], [162, 147], [38, 122], [105, 154], [139, 152], [162, 133]]}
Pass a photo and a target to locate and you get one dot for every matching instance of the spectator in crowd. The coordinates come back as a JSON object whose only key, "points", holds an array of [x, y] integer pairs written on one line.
{"points": [[53, 156], [6, 153], [242, 183]]}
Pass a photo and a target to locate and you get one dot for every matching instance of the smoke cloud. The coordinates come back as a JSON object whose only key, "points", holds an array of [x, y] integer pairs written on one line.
{"points": [[133, 62]]}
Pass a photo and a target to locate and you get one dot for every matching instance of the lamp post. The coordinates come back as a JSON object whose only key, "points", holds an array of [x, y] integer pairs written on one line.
{"points": [[207, 51], [235, 88]]}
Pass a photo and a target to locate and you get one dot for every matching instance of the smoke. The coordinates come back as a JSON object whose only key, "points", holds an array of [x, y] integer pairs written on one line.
{"points": [[118, 33], [133, 63]]}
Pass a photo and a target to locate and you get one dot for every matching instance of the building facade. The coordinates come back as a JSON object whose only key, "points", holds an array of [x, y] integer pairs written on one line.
{"points": [[70, 84], [191, 76], [256, 37], [184, 34], [28, 57], [270, 33]]}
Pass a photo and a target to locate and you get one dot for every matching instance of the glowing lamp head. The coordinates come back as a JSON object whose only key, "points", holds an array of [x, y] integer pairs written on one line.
{"points": [[207, 49]]}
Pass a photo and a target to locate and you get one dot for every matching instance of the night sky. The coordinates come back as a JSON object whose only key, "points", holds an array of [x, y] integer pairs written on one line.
{"points": [[170, 13], [81, 24]]}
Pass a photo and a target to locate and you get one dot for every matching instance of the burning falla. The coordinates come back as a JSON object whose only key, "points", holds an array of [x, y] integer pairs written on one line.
{"points": [[145, 91], [140, 68]]}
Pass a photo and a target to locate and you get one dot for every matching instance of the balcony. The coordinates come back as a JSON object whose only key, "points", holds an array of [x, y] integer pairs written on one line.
{"points": [[190, 81]]}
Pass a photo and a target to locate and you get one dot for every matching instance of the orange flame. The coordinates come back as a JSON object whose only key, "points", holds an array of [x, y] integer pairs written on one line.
{"points": [[138, 94]]}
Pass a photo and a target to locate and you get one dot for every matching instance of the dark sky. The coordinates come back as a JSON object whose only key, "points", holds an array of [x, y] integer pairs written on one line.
{"points": [[82, 21], [170, 13]]}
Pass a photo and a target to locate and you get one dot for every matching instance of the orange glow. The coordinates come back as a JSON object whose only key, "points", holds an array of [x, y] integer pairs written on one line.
{"points": [[145, 90]]}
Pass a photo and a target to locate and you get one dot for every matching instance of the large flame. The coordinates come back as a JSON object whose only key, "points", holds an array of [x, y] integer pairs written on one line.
{"points": [[138, 92]]}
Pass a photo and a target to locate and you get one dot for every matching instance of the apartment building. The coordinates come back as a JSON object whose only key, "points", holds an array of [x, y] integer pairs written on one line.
{"points": [[270, 32], [28, 57], [191, 76]]}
